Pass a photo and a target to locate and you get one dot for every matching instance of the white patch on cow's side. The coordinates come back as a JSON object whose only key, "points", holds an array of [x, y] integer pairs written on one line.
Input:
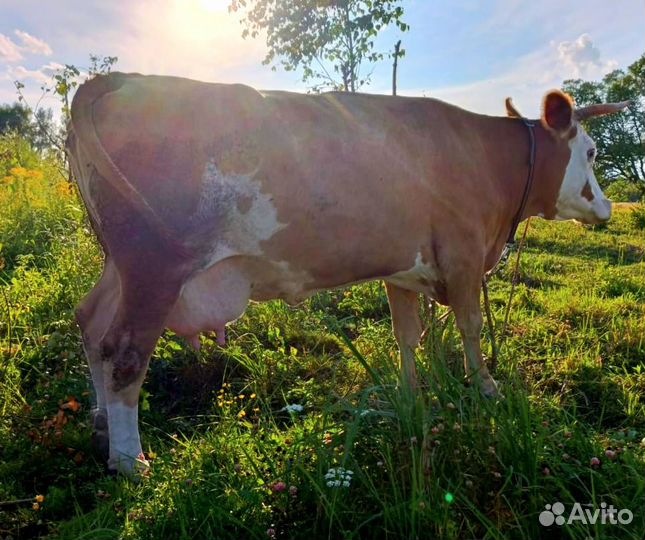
{"points": [[571, 203], [125, 445], [421, 277], [246, 215]]}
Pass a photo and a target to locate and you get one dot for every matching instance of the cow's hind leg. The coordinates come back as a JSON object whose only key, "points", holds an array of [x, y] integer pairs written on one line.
{"points": [[94, 315], [404, 307], [144, 304]]}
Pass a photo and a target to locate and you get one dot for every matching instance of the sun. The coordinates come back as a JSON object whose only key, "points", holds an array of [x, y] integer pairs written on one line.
{"points": [[214, 5]]}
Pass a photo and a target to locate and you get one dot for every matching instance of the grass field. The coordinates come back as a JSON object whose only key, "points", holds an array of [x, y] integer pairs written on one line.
{"points": [[233, 458]]}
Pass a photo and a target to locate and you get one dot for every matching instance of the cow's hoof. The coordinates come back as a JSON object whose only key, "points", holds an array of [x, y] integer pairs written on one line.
{"points": [[134, 469], [100, 435], [489, 389]]}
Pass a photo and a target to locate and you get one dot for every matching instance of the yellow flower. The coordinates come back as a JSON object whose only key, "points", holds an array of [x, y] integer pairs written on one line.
{"points": [[252, 396], [241, 414], [35, 506], [39, 498]]}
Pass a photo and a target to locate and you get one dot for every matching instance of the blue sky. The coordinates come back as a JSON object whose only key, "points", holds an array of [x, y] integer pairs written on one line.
{"points": [[472, 53]]}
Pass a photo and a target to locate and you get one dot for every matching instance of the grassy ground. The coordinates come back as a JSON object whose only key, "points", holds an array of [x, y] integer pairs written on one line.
{"points": [[230, 461]]}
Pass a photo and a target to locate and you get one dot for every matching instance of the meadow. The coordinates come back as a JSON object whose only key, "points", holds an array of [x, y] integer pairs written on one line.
{"points": [[297, 428]]}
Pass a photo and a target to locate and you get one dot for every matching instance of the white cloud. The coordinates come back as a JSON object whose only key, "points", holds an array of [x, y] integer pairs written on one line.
{"points": [[530, 77], [582, 56], [33, 44], [42, 75], [9, 51], [21, 73]]}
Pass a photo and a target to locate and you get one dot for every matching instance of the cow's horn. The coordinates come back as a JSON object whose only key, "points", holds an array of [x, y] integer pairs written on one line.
{"points": [[600, 109], [511, 111]]}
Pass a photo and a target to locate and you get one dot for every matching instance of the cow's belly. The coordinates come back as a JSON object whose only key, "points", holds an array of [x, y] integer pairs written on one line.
{"points": [[218, 295]]}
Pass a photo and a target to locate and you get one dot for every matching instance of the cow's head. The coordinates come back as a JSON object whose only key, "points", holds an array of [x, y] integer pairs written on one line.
{"points": [[580, 196]]}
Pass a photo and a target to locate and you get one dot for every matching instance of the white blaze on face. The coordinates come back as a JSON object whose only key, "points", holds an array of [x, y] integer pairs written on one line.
{"points": [[580, 195]]}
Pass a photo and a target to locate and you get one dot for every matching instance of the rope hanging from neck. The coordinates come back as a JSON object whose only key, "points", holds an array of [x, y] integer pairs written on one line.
{"points": [[508, 247]]}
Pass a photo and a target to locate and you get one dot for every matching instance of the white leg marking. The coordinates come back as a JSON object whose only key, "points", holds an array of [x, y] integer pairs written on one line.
{"points": [[126, 455]]}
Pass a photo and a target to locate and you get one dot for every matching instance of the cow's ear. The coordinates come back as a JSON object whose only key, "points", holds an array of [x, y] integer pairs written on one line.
{"points": [[557, 111]]}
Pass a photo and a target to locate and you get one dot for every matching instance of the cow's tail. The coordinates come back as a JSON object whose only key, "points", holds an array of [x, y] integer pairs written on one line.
{"points": [[81, 127]]}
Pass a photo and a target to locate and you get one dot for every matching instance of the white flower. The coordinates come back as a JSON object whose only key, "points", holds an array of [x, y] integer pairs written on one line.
{"points": [[339, 477], [295, 408]]}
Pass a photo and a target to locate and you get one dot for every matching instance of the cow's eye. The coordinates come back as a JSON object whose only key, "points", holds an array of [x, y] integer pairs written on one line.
{"points": [[591, 153]]}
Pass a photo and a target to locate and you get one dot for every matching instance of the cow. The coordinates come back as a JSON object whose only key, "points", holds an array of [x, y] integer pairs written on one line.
{"points": [[205, 196]]}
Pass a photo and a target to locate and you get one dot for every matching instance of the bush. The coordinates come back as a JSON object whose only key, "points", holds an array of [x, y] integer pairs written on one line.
{"points": [[623, 191]]}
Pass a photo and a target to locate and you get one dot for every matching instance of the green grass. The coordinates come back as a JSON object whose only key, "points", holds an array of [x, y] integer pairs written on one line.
{"points": [[228, 461]]}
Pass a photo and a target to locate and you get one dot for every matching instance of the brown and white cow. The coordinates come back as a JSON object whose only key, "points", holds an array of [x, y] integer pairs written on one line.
{"points": [[205, 196]]}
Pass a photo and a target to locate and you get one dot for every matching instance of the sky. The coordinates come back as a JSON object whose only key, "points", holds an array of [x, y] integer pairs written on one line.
{"points": [[472, 53]]}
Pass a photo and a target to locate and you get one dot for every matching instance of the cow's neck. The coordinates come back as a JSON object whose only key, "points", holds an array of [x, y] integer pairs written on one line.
{"points": [[552, 158], [511, 148]]}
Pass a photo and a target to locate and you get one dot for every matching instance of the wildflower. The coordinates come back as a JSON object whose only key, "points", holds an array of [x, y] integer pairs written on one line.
{"points": [[39, 498], [271, 532], [327, 439], [293, 491], [413, 440], [546, 471], [380, 464], [252, 396], [295, 408], [611, 454], [451, 405], [339, 477], [278, 487], [35, 506], [594, 462], [497, 474], [366, 412], [241, 414]]}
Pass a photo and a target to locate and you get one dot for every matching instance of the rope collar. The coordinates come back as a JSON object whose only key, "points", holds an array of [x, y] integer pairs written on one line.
{"points": [[510, 241], [529, 183]]}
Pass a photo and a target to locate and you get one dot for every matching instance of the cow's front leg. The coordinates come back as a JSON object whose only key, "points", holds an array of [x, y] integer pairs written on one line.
{"points": [[463, 295], [404, 307]]}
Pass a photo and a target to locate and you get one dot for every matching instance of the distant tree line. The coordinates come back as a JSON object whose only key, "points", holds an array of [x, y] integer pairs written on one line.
{"points": [[36, 128]]}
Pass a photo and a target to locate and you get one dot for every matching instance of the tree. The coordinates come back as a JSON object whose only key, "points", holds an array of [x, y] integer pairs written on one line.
{"points": [[14, 118], [330, 40], [17, 118], [620, 137]]}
